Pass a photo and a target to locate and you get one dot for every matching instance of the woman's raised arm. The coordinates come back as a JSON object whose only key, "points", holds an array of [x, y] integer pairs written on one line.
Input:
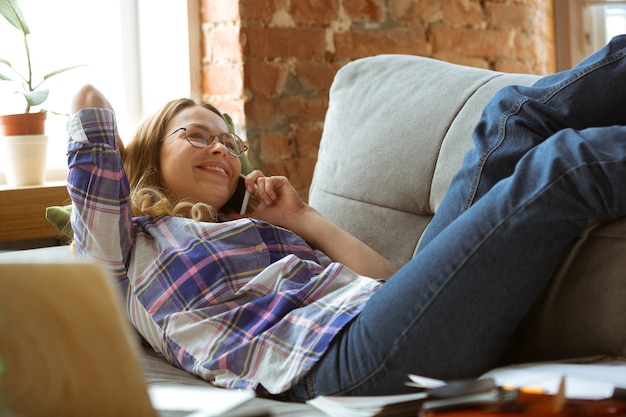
{"points": [[89, 96]]}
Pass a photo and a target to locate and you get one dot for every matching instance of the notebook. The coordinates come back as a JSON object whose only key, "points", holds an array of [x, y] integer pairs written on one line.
{"points": [[66, 349]]}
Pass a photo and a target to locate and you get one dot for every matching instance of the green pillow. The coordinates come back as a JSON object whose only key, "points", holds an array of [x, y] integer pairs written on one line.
{"points": [[59, 216], [246, 167]]}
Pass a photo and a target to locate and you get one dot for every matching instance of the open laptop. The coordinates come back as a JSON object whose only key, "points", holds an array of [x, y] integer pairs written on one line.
{"points": [[66, 349]]}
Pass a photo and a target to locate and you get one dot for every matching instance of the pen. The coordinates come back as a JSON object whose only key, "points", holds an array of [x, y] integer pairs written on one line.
{"points": [[525, 390]]}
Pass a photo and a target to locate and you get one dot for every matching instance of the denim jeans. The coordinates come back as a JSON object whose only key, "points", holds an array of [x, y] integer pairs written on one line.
{"points": [[547, 159]]}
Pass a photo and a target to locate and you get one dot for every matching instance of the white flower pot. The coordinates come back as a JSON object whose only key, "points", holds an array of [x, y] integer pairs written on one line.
{"points": [[24, 159]]}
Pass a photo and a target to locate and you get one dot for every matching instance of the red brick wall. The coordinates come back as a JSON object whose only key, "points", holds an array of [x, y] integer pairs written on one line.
{"points": [[270, 63]]}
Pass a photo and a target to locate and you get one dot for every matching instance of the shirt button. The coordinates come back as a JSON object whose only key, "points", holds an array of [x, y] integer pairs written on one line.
{"points": [[259, 248]]}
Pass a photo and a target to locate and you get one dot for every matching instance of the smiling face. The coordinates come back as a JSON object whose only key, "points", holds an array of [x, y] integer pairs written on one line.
{"points": [[208, 175]]}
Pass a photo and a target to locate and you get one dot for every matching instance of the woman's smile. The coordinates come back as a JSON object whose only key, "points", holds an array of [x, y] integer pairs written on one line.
{"points": [[215, 168], [208, 175]]}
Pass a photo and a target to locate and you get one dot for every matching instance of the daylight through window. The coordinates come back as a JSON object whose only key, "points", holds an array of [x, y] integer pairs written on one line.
{"points": [[135, 51]]}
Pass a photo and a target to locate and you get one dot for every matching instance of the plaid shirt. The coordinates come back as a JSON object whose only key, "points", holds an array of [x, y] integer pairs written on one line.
{"points": [[238, 303]]}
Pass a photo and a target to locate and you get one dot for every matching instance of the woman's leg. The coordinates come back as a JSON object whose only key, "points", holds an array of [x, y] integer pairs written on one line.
{"points": [[519, 118], [450, 312]]}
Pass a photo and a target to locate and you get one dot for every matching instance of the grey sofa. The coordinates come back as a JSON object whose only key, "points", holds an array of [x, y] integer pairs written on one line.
{"points": [[396, 130], [395, 133]]}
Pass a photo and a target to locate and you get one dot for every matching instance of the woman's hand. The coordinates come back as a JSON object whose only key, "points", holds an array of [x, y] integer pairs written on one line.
{"points": [[279, 202], [90, 97]]}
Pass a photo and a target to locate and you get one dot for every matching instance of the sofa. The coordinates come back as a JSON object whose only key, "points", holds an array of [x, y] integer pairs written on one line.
{"points": [[396, 130]]}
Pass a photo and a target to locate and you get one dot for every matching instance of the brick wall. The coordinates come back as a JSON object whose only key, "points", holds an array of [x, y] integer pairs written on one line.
{"points": [[270, 63]]}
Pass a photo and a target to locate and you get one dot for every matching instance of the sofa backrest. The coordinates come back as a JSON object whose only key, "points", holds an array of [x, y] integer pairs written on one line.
{"points": [[396, 131]]}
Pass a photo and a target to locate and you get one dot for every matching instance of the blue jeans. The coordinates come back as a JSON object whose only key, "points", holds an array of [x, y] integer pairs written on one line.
{"points": [[547, 159]]}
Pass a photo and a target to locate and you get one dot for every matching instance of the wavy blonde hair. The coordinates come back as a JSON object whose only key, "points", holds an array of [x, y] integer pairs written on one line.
{"points": [[142, 163]]}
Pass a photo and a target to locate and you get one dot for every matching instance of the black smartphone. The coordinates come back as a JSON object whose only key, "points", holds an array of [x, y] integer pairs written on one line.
{"points": [[239, 201]]}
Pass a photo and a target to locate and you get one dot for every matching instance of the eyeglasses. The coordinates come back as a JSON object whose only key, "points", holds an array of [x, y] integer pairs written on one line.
{"points": [[199, 136]]}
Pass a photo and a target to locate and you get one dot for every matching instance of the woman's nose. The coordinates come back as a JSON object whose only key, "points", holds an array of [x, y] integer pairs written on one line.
{"points": [[217, 147]]}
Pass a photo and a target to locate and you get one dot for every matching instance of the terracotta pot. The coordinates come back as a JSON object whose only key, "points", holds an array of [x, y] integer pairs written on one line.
{"points": [[23, 124]]}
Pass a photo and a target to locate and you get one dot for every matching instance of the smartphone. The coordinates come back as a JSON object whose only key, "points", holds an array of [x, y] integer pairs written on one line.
{"points": [[239, 201]]}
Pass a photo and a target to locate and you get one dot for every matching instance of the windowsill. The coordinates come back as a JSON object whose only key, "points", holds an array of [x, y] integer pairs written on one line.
{"points": [[23, 210], [4, 187], [54, 176]]}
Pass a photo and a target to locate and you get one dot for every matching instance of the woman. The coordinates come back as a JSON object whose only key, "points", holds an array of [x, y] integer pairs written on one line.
{"points": [[250, 303]]}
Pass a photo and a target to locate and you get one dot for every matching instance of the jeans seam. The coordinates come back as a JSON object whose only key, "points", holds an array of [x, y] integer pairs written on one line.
{"points": [[310, 384], [516, 108]]}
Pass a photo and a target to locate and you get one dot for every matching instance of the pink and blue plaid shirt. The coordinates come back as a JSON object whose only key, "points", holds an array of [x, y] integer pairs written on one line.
{"points": [[238, 303]]}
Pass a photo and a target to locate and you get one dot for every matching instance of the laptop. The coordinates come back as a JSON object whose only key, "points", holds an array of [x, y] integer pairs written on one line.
{"points": [[66, 349]]}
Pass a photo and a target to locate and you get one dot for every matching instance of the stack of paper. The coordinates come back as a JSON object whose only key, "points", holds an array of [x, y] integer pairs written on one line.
{"points": [[389, 405], [587, 378]]}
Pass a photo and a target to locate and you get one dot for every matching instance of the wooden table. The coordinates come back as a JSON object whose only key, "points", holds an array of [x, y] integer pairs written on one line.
{"points": [[545, 405]]}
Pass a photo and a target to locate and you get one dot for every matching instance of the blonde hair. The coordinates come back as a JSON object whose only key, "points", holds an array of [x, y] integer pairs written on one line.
{"points": [[141, 159]]}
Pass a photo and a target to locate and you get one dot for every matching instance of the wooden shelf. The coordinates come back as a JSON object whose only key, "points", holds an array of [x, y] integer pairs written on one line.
{"points": [[23, 211]]}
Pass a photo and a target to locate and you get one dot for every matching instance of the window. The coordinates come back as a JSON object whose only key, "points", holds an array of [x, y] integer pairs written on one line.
{"points": [[584, 26], [614, 18], [139, 53]]}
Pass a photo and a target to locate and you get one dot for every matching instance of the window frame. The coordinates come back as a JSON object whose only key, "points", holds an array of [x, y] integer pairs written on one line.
{"points": [[176, 28], [579, 29]]}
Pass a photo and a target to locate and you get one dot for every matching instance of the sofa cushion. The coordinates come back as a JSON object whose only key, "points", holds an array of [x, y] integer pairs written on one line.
{"points": [[583, 312], [395, 133]]}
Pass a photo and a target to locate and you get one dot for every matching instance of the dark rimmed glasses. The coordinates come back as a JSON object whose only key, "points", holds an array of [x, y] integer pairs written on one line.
{"points": [[199, 136]]}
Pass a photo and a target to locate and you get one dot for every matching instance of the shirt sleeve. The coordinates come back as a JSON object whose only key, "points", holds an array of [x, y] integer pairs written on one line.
{"points": [[99, 190]]}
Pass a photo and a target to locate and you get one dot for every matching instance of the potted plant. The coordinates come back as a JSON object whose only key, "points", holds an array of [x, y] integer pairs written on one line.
{"points": [[24, 132]]}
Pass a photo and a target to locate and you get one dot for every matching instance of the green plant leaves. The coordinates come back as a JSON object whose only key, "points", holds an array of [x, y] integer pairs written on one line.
{"points": [[5, 78], [32, 93], [12, 13], [59, 71], [35, 98]]}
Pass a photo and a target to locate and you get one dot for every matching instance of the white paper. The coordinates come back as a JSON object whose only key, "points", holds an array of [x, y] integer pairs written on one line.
{"points": [[424, 382], [203, 401], [586, 378], [366, 406], [595, 380]]}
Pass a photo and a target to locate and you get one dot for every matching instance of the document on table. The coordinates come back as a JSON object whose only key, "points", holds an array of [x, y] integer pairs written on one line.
{"points": [[196, 401], [385, 405], [587, 378]]}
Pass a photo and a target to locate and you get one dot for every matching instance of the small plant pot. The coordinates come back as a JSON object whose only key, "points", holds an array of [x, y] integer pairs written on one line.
{"points": [[23, 124], [24, 159]]}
